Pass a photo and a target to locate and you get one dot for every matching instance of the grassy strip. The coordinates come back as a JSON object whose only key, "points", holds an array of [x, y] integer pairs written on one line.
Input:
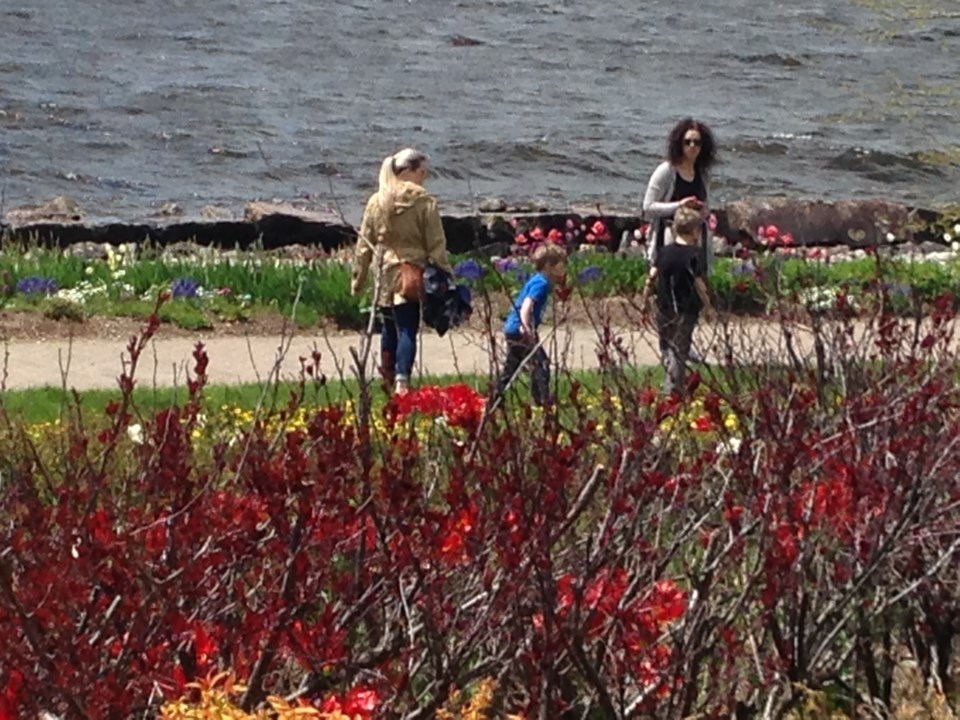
{"points": [[47, 404]]}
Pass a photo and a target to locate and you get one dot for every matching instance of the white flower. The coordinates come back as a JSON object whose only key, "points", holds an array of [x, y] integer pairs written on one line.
{"points": [[947, 237], [956, 229], [135, 433], [730, 447], [955, 246], [89, 270], [891, 237], [117, 274]]}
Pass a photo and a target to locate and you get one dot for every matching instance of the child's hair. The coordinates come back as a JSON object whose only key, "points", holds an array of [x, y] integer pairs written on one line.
{"points": [[686, 221], [547, 255]]}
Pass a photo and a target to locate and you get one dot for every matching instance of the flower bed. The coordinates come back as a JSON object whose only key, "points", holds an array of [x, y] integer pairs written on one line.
{"points": [[215, 288], [759, 548]]}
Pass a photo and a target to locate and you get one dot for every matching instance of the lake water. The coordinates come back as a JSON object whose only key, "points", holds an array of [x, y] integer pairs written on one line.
{"points": [[126, 105]]}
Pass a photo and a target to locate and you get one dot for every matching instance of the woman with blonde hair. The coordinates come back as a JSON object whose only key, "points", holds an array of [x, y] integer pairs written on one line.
{"points": [[400, 234]]}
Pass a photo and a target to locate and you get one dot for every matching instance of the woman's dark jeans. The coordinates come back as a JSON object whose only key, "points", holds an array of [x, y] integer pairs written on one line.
{"points": [[398, 340]]}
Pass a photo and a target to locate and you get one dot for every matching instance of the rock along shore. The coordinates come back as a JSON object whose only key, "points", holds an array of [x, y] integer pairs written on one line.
{"points": [[491, 227]]}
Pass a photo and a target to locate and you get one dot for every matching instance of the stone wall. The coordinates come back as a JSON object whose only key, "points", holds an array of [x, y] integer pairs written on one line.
{"points": [[854, 224]]}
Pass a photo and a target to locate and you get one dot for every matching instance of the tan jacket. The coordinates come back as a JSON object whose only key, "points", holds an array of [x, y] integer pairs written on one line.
{"points": [[415, 235]]}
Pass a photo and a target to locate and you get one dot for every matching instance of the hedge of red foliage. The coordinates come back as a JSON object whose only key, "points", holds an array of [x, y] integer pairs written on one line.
{"points": [[620, 570]]}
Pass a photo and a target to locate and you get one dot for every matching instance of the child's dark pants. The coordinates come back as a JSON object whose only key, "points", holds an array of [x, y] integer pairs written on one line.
{"points": [[539, 365]]}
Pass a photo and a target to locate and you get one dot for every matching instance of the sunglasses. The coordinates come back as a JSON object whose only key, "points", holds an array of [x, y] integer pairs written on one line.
{"points": [[692, 142]]}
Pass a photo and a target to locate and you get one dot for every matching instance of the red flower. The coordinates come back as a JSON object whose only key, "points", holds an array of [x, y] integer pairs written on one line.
{"points": [[704, 423], [647, 396], [360, 701], [460, 405], [520, 239], [669, 601], [599, 230], [537, 234], [555, 236]]}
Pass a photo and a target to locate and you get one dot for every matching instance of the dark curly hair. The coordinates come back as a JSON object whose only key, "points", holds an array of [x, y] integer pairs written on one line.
{"points": [[708, 150]]}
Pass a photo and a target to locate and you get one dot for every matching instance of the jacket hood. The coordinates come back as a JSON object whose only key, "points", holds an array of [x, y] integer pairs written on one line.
{"points": [[407, 195]]}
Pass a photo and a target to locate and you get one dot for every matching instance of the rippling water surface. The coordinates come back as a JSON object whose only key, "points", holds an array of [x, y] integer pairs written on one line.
{"points": [[127, 104]]}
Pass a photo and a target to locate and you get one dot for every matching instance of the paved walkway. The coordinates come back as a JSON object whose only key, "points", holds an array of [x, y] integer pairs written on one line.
{"points": [[92, 364], [89, 364]]}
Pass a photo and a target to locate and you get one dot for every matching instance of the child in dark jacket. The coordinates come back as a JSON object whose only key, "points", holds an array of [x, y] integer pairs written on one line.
{"points": [[523, 322], [681, 295]]}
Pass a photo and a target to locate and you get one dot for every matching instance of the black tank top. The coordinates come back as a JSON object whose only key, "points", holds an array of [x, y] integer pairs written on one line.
{"points": [[685, 188]]}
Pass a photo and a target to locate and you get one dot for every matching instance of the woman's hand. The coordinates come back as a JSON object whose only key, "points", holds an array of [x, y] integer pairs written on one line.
{"points": [[692, 201]]}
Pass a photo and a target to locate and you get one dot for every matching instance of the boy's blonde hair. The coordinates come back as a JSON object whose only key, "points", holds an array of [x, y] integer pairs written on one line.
{"points": [[547, 255], [687, 221]]}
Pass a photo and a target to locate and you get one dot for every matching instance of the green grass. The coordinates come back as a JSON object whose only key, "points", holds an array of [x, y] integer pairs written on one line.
{"points": [[37, 405]]}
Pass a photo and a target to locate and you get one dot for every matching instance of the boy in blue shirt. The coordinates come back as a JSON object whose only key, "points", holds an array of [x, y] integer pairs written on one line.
{"points": [[520, 329]]}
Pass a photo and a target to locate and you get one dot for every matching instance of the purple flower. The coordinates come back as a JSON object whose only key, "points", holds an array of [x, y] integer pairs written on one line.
{"points": [[468, 270], [37, 285], [901, 289], [744, 268], [184, 288], [589, 274], [503, 265]]}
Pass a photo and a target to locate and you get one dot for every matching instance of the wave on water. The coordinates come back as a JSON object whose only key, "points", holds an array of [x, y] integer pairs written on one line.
{"points": [[517, 158], [883, 166], [776, 59]]}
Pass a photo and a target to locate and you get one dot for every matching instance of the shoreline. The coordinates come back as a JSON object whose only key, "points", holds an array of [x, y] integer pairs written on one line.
{"points": [[270, 225]]}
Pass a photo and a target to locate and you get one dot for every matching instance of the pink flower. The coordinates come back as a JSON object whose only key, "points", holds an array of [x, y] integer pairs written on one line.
{"points": [[600, 230], [786, 239], [555, 236], [771, 232], [520, 239], [712, 222], [570, 224], [536, 234]]}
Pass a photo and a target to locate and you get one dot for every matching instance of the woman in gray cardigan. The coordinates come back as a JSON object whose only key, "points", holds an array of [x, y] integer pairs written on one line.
{"points": [[681, 180]]}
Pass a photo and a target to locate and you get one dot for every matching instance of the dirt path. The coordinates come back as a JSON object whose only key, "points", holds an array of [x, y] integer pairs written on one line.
{"points": [[96, 362]]}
